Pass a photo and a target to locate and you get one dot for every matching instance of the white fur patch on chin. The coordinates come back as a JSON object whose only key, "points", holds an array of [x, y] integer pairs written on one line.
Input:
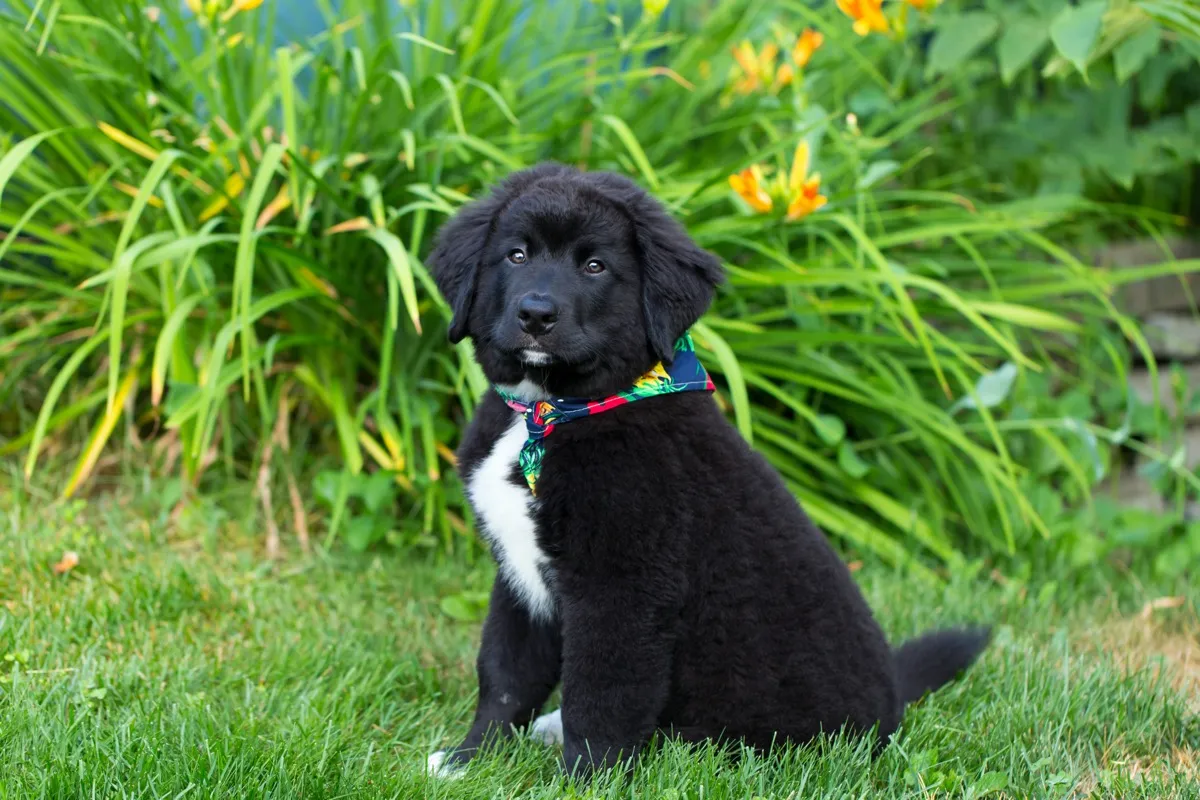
{"points": [[535, 357], [437, 767], [548, 728], [526, 390]]}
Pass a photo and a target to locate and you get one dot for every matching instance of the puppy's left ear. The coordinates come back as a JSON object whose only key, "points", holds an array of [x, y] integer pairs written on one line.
{"points": [[678, 276]]}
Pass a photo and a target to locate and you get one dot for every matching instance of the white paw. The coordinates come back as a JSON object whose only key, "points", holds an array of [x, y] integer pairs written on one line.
{"points": [[436, 766], [547, 728]]}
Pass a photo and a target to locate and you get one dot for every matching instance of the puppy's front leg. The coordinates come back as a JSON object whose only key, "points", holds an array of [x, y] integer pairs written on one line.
{"points": [[520, 660], [617, 644]]}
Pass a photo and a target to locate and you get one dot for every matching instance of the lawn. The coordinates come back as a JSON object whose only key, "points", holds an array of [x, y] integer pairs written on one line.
{"points": [[174, 661]]}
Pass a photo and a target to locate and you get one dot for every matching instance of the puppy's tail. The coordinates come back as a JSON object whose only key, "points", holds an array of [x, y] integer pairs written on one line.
{"points": [[934, 659]]}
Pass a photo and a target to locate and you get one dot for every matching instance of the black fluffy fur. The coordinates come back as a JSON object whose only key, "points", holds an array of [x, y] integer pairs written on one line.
{"points": [[692, 594]]}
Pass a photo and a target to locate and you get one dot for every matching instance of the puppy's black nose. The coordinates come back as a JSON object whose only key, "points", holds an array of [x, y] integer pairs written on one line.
{"points": [[537, 314]]}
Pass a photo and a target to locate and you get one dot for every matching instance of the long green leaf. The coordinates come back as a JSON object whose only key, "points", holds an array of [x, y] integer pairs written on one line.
{"points": [[122, 264], [244, 261], [18, 153]]}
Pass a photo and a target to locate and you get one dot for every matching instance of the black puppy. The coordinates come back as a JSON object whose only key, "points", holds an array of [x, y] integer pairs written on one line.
{"points": [[661, 571]]}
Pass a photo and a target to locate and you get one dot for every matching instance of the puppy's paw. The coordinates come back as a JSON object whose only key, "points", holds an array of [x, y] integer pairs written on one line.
{"points": [[438, 766], [548, 728]]}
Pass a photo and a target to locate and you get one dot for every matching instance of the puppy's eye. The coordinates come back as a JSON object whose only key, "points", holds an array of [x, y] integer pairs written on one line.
{"points": [[517, 256], [593, 267]]}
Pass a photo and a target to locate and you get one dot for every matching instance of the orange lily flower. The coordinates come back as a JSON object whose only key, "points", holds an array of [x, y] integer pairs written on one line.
{"points": [[809, 42], [922, 5], [867, 15], [758, 68], [804, 190], [749, 185]]}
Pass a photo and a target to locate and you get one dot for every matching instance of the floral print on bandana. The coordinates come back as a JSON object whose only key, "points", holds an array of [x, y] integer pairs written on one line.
{"points": [[685, 374]]}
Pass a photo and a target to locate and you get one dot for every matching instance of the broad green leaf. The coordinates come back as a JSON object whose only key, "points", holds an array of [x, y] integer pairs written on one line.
{"points": [[1023, 39], [849, 461], [376, 489], [991, 389], [958, 38], [989, 782], [876, 172], [465, 606], [360, 533], [1047, 8], [1075, 30], [830, 428], [1133, 53], [326, 486]]}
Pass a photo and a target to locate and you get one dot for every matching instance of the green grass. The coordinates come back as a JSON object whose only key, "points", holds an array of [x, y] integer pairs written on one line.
{"points": [[164, 666]]}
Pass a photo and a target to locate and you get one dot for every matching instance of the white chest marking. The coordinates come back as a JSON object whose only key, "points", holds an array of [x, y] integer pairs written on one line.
{"points": [[505, 510]]}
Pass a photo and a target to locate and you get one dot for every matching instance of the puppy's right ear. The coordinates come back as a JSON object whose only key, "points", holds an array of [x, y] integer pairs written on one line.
{"points": [[456, 256], [463, 240]]}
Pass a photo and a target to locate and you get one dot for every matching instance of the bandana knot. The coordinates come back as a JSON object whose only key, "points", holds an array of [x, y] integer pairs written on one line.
{"points": [[685, 374]]}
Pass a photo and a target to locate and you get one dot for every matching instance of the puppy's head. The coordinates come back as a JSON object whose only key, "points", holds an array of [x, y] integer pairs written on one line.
{"points": [[576, 282]]}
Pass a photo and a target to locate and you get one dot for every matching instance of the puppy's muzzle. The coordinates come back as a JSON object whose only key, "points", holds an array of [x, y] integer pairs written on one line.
{"points": [[537, 314]]}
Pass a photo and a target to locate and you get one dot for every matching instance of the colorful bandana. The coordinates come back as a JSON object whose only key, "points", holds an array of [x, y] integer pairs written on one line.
{"points": [[686, 374]]}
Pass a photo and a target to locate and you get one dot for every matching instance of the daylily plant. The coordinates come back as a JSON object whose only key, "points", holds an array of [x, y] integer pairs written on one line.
{"points": [[801, 190]]}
